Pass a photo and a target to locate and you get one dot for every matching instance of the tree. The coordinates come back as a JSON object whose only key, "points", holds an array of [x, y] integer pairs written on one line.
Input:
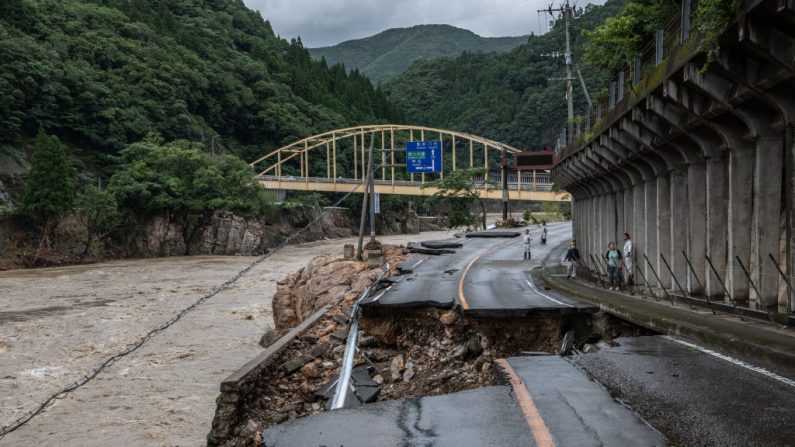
{"points": [[97, 211], [615, 43], [49, 189], [460, 191], [179, 176]]}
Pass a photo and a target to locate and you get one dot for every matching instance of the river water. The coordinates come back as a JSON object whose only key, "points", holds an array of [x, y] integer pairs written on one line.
{"points": [[57, 324]]}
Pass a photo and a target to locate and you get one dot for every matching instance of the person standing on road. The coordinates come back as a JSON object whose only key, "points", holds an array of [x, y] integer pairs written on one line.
{"points": [[628, 256], [572, 257], [526, 239], [613, 258], [544, 232]]}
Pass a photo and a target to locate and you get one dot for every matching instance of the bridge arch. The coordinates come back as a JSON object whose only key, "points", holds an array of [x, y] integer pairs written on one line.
{"points": [[336, 161]]}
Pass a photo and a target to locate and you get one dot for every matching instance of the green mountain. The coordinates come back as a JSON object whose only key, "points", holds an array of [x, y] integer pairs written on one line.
{"points": [[507, 97], [387, 54], [101, 74]]}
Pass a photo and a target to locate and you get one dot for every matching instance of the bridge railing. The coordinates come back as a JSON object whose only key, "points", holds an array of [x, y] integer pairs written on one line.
{"points": [[542, 182]]}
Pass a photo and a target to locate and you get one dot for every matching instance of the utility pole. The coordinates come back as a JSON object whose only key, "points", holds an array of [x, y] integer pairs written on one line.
{"points": [[504, 162], [371, 182], [365, 197], [567, 12]]}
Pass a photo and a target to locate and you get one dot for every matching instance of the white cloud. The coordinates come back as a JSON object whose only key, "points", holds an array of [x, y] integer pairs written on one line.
{"points": [[327, 22]]}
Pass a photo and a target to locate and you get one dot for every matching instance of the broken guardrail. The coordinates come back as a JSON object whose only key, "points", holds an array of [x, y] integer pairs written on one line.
{"points": [[344, 382]]}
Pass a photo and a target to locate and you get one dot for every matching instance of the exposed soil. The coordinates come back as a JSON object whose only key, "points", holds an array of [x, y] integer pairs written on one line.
{"points": [[410, 353]]}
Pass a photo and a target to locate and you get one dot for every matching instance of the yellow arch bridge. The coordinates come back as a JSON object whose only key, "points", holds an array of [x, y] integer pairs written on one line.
{"points": [[315, 163]]}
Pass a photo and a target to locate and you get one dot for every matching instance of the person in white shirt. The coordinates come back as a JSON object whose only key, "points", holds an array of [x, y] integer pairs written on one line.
{"points": [[628, 257], [526, 239]]}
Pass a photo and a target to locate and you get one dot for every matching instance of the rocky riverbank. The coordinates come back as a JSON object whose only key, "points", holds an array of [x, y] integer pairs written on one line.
{"points": [[222, 233]]}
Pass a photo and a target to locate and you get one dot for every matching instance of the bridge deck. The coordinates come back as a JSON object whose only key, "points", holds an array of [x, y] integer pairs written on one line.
{"points": [[527, 192]]}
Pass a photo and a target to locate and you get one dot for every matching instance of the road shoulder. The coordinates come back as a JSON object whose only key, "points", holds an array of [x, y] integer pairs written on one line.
{"points": [[758, 341]]}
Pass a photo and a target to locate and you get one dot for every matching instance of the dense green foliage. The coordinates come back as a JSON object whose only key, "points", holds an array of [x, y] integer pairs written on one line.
{"points": [[507, 97], [49, 191], [101, 74], [181, 177], [620, 39], [711, 18], [98, 212], [387, 54]]}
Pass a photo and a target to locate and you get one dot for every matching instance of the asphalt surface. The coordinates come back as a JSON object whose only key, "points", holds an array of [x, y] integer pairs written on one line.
{"points": [[577, 411], [482, 417], [571, 410], [696, 398], [486, 277]]}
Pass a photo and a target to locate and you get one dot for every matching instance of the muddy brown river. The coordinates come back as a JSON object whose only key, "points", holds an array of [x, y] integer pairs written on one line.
{"points": [[57, 324]]}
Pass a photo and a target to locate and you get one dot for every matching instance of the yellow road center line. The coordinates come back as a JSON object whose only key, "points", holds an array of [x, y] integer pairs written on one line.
{"points": [[534, 420], [461, 297]]}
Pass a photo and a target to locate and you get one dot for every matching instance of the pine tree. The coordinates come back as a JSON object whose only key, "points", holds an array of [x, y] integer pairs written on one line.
{"points": [[49, 189]]}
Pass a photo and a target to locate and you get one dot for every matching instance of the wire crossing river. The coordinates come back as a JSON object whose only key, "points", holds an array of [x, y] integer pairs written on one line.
{"points": [[57, 324]]}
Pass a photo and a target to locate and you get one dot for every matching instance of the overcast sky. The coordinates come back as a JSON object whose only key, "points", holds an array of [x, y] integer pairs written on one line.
{"points": [[329, 22]]}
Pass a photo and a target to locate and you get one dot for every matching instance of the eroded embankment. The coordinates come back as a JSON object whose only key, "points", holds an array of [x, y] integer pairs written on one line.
{"points": [[403, 353]]}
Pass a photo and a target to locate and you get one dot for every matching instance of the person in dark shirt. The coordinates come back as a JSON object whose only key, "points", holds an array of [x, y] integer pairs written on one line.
{"points": [[544, 232], [614, 260], [572, 257]]}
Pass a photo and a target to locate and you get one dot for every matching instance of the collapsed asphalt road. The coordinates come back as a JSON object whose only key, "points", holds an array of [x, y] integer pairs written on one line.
{"points": [[633, 391], [485, 277], [548, 402], [535, 401]]}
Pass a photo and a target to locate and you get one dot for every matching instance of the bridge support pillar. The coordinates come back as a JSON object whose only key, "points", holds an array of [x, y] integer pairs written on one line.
{"points": [[697, 225], [602, 210], [619, 219], [639, 226], [650, 233], [790, 214], [678, 228], [612, 202], [629, 217], [717, 213], [663, 228], [741, 175], [767, 212], [593, 239]]}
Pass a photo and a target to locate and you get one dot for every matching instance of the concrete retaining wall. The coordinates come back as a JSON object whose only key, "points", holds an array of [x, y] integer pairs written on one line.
{"points": [[699, 158]]}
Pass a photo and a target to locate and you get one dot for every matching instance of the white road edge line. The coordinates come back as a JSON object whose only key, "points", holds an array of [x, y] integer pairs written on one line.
{"points": [[381, 294], [418, 263], [530, 283], [733, 360]]}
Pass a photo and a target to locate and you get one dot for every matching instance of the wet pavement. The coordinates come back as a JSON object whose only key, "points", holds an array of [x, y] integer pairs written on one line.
{"points": [[482, 417], [569, 410], [695, 398], [486, 277], [575, 410]]}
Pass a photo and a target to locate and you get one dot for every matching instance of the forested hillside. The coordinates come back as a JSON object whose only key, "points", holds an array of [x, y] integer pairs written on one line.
{"points": [[507, 97], [101, 74], [389, 53]]}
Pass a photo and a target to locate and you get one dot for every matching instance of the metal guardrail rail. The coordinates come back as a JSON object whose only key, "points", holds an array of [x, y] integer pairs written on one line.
{"points": [[344, 380]]}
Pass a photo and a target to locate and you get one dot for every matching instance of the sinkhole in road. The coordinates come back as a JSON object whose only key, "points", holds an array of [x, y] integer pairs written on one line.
{"points": [[405, 353]]}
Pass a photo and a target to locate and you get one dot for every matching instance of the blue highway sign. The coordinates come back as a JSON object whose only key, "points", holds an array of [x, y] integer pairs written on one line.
{"points": [[423, 156]]}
